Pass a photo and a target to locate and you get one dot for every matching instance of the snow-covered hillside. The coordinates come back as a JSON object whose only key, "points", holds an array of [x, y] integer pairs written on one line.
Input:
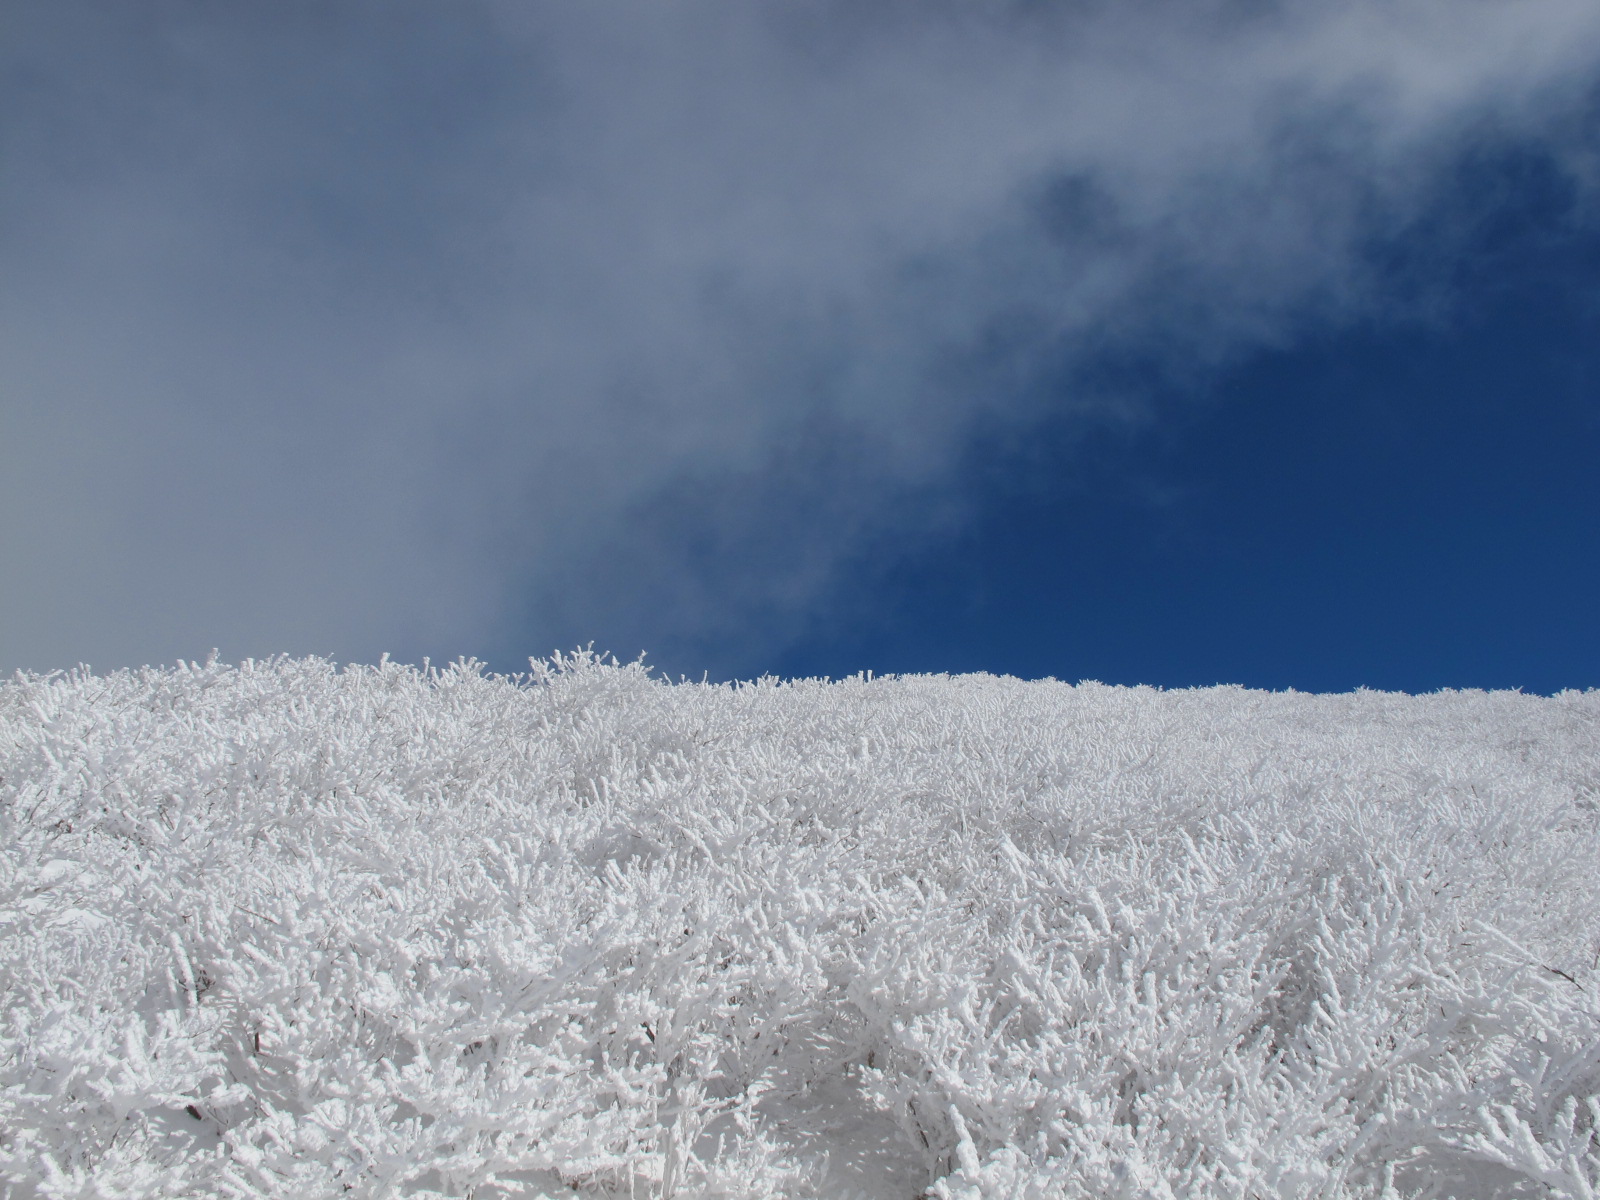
{"points": [[291, 930]]}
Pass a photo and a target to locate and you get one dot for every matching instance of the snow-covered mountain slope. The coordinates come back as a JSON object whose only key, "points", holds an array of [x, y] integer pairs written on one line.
{"points": [[291, 930]]}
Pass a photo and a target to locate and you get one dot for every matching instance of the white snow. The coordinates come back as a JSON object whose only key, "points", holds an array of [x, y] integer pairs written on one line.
{"points": [[291, 930]]}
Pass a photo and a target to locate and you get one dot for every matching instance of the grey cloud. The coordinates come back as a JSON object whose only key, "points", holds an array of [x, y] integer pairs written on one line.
{"points": [[458, 329]]}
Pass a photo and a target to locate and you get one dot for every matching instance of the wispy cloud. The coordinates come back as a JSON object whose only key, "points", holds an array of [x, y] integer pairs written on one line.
{"points": [[503, 325]]}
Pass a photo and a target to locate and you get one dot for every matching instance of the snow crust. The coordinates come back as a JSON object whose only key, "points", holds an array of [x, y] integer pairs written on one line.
{"points": [[291, 930]]}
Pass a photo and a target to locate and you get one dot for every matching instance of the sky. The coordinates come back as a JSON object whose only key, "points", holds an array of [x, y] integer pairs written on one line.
{"points": [[1153, 342]]}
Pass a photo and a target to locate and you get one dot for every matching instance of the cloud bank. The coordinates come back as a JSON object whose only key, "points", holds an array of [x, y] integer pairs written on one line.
{"points": [[490, 327]]}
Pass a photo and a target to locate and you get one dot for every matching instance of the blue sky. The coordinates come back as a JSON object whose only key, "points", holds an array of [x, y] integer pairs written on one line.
{"points": [[1401, 505], [1150, 342], [1402, 511]]}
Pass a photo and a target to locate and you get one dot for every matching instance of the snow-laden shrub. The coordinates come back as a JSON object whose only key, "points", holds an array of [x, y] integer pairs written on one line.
{"points": [[289, 930]]}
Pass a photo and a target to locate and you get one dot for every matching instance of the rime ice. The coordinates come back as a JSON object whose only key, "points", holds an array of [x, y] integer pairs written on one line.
{"points": [[289, 930]]}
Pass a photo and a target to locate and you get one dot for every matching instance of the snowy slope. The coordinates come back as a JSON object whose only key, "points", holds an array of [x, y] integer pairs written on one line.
{"points": [[290, 930]]}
